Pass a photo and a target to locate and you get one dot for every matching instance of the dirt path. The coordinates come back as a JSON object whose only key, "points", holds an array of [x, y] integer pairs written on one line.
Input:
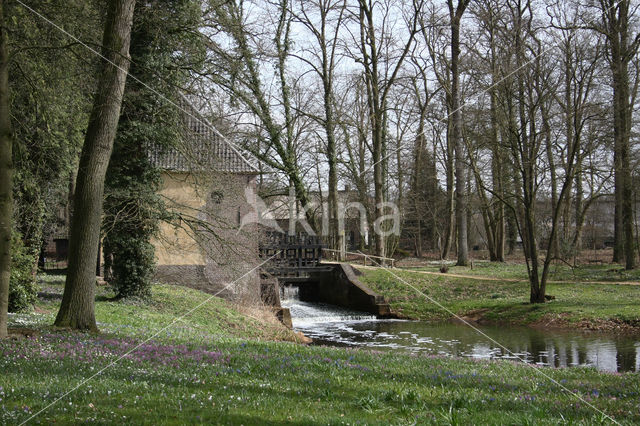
{"points": [[509, 280]]}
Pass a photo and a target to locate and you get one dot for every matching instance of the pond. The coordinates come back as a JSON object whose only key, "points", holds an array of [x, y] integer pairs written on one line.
{"points": [[335, 326]]}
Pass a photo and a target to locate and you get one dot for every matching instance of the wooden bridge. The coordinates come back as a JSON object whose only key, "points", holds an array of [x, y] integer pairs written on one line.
{"points": [[291, 257]]}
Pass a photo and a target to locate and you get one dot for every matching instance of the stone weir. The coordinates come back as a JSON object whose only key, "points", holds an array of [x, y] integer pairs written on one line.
{"points": [[337, 284]]}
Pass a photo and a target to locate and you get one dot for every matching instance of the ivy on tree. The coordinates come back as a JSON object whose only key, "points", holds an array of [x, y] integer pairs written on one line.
{"points": [[162, 50]]}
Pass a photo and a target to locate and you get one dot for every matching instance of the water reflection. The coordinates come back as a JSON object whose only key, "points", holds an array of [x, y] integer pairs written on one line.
{"points": [[338, 327]]}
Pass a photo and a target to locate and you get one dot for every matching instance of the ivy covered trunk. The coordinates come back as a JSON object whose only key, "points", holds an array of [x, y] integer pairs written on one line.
{"points": [[78, 301], [133, 207], [6, 178]]}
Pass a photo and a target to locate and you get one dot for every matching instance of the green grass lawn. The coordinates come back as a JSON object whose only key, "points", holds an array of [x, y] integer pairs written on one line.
{"points": [[580, 304], [558, 271], [218, 366]]}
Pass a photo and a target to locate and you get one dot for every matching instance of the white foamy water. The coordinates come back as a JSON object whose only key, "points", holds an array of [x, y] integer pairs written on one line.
{"points": [[306, 314]]}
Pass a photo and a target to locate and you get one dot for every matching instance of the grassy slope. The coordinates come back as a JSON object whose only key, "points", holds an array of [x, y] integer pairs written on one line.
{"points": [[213, 319], [205, 375], [576, 304]]}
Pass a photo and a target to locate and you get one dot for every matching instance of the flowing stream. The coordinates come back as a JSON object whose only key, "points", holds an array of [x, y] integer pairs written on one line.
{"points": [[336, 326]]}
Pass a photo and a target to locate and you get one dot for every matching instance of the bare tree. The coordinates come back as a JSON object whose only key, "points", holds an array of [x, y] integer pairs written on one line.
{"points": [[77, 309], [380, 74], [237, 52], [622, 46], [455, 15], [433, 33], [526, 142], [488, 15], [323, 61], [355, 129], [580, 55], [423, 199], [527, 93]]}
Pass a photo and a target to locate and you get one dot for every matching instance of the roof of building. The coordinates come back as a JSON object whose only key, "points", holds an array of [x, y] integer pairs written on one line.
{"points": [[202, 148]]}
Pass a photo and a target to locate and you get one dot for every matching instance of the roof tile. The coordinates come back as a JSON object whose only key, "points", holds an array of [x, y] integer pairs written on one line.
{"points": [[203, 147]]}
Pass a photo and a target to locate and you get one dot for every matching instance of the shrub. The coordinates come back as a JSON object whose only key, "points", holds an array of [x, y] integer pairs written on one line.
{"points": [[22, 284], [133, 266]]}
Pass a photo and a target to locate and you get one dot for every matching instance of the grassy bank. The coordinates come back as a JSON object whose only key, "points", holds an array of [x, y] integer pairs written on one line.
{"points": [[576, 304], [557, 272], [210, 368]]}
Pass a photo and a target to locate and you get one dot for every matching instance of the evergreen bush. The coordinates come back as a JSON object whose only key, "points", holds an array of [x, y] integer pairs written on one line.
{"points": [[23, 290]]}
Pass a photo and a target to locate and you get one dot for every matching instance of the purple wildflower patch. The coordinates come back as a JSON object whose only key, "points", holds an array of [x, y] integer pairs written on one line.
{"points": [[88, 349]]}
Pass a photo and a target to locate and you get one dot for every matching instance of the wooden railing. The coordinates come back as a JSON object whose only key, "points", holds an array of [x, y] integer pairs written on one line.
{"points": [[291, 255]]}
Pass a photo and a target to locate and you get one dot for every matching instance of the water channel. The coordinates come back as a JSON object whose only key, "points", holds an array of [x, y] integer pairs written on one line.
{"points": [[335, 326]]}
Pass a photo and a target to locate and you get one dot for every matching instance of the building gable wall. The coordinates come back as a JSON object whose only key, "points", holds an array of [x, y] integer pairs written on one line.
{"points": [[204, 246]]}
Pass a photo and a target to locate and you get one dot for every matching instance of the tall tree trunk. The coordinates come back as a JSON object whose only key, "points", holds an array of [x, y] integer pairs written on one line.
{"points": [[512, 185], [493, 205], [376, 108], [470, 240], [546, 130], [6, 177], [579, 209], [615, 25], [334, 232], [456, 119], [497, 177], [570, 112], [415, 194], [529, 240], [378, 184], [497, 172], [618, 132], [618, 235], [363, 189], [450, 227], [77, 309], [622, 130], [624, 191]]}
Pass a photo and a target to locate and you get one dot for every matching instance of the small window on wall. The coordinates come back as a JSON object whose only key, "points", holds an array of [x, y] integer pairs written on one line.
{"points": [[216, 197], [239, 218]]}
